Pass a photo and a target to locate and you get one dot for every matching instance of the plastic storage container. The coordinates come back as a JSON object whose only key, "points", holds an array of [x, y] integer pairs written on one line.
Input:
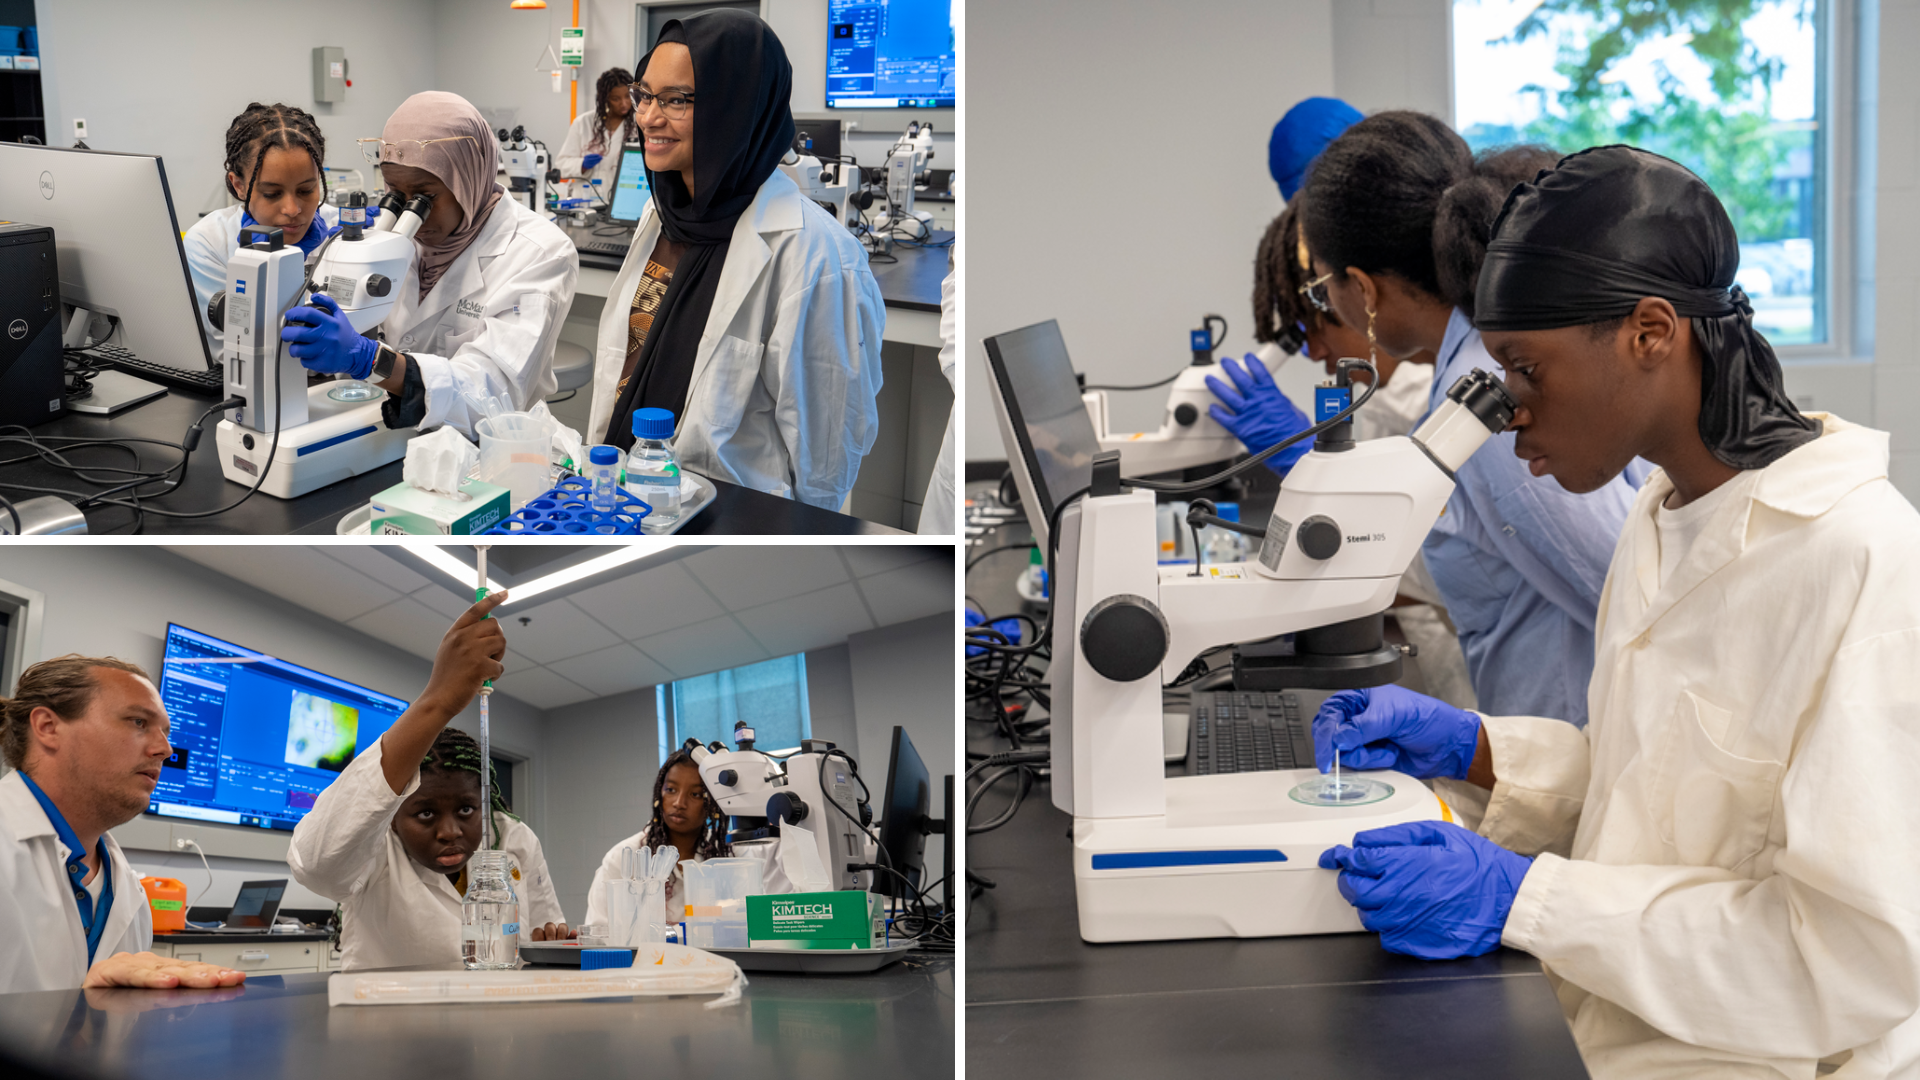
{"points": [[603, 478], [716, 908], [168, 899], [653, 476], [514, 454]]}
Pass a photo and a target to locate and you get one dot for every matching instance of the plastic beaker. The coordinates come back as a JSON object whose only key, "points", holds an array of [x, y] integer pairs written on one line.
{"points": [[514, 454]]}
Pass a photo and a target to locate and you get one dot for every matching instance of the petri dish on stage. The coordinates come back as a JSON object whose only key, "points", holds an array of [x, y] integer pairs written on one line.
{"points": [[1344, 791]]}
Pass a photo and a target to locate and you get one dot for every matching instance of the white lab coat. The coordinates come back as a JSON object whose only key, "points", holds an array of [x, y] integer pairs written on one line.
{"points": [[42, 944], [787, 375], [610, 869], [1397, 406], [397, 912], [489, 326], [209, 245], [937, 505], [573, 150], [1743, 892]]}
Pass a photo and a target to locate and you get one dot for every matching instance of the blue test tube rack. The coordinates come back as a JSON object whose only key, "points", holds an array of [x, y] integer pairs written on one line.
{"points": [[567, 511]]}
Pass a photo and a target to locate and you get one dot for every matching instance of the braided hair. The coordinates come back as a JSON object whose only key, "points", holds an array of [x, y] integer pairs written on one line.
{"points": [[610, 80], [713, 833], [1279, 269], [454, 750], [265, 127]]}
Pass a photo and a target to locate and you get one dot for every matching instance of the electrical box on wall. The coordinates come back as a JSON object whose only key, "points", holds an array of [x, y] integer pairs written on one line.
{"points": [[330, 74]]}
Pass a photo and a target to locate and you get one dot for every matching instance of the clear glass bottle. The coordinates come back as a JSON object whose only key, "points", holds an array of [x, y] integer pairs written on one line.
{"points": [[490, 915], [653, 476], [603, 476]]}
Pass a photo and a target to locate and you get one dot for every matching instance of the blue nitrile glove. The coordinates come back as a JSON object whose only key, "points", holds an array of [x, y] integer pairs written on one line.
{"points": [[1009, 628], [590, 161], [1257, 413], [1430, 889], [1391, 727], [322, 339]]}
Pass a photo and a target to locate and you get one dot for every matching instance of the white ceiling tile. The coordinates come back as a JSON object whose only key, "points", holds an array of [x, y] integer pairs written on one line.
{"points": [[443, 601], [910, 593], [813, 621], [557, 631], [301, 575], [407, 623], [703, 647], [515, 662], [613, 671], [543, 689], [870, 559], [649, 601], [383, 567], [748, 576]]}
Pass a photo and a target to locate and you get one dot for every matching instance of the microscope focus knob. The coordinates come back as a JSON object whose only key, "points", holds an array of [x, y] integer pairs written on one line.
{"points": [[1185, 414], [379, 285], [785, 807], [1125, 637], [728, 777], [1319, 537]]}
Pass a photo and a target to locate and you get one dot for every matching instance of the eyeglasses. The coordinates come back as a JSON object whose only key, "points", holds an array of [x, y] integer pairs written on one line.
{"points": [[371, 148], [1316, 293], [676, 107]]}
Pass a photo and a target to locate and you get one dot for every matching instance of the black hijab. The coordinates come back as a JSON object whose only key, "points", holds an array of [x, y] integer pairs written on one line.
{"points": [[742, 126], [1607, 227]]}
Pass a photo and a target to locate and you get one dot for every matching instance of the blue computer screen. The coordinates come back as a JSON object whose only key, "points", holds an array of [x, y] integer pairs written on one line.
{"points": [[890, 54], [254, 743], [630, 190]]}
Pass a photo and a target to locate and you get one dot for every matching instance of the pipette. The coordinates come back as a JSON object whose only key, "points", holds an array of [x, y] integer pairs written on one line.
{"points": [[486, 691]]}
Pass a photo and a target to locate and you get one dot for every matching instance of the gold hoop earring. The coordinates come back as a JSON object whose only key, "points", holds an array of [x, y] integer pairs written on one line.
{"points": [[1373, 355]]}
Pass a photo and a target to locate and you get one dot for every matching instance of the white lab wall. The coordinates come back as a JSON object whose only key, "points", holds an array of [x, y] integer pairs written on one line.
{"points": [[1896, 363], [167, 78], [117, 601], [601, 757], [1394, 54], [904, 675], [1118, 177]]}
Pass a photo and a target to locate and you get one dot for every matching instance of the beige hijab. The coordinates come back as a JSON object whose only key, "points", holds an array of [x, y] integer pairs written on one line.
{"points": [[466, 165]]}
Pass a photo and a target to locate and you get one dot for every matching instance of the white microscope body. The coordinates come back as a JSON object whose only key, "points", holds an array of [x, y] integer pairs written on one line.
{"points": [[804, 170], [526, 163], [321, 439], [906, 166], [1230, 855], [760, 797], [1188, 435]]}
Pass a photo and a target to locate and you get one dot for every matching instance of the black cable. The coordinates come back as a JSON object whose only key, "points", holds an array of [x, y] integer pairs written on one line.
{"points": [[1213, 343], [18, 528], [975, 561]]}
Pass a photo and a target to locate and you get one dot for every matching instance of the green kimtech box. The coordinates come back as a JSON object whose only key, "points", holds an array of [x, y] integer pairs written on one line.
{"points": [[820, 920], [406, 510]]}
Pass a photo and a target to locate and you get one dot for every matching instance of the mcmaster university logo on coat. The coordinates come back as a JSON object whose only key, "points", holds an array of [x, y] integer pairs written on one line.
{"points": [[472, 309]]}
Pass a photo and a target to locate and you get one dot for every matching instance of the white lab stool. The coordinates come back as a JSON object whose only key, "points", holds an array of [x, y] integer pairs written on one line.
{"points": [[573, 366]]}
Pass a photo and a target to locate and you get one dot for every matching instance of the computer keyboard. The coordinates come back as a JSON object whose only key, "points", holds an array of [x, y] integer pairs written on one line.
{"points": [[1239, 731], [602, 247], [209, 382]]}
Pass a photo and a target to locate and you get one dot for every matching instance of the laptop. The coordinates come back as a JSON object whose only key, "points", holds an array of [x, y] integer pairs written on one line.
{"points": [[254, 909]]}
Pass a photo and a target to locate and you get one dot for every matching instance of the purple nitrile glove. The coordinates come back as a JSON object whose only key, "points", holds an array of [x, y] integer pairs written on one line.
{"points": [[1257, 413], [1430, 889], [1391, 727], [323, 339]]}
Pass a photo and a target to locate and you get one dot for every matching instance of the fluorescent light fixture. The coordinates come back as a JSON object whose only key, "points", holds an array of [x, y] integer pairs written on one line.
{"points": [[440, 560]]}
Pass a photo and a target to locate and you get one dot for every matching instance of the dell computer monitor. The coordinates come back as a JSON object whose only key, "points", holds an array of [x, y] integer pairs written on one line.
{"points": [[117, 242], [1049, 436], [256, 739], [890, 54], [904, 819], [630, 191]]}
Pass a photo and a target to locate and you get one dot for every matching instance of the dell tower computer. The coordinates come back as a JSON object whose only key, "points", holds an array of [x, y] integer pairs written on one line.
{"points": [[32, 386]]}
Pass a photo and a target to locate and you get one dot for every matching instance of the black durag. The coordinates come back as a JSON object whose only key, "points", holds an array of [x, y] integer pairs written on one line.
{"points": [[1607, 227], [742, 126]]}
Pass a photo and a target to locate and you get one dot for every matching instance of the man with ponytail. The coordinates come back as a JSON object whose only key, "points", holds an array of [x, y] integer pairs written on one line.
{"points": [[390, 838], [85, 738], [1720, 871]]}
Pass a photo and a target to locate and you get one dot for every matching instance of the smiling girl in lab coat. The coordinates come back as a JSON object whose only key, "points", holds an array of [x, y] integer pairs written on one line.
{"points": [[479, 312], [390, 838], [743, 308]]}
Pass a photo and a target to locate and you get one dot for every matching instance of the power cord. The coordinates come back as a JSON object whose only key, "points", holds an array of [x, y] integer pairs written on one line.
{"points": [[1212, 344]]}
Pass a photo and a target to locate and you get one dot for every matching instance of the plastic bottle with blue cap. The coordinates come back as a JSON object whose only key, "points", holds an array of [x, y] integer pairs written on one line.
{"points": [[652, 475], [603, 474]]}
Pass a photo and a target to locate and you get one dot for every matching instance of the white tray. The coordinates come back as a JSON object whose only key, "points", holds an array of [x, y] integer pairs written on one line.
{"points": [[814, 961], [696, 493]]}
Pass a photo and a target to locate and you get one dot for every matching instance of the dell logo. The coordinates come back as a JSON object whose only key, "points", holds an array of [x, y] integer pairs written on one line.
{"points": [[46, 185], [17, 329]]}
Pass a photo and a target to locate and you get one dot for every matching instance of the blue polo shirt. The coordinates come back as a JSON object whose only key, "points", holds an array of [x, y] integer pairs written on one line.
{"points": [[92, 919]]}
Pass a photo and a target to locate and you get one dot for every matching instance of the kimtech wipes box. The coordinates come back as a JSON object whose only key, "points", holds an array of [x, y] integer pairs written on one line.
{"points": [[404, 509], [819, 920]]}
